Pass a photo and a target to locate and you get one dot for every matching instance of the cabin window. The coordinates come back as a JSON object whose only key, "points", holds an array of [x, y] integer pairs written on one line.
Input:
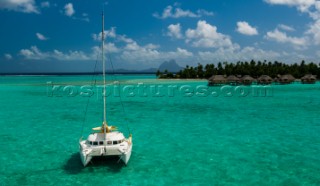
{"points": [[109, 142], [100, 142], [90, 142], [95, 143], [115, 142]]}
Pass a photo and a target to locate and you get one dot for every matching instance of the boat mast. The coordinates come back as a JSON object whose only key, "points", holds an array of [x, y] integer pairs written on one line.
{"points": [[104, 82]]}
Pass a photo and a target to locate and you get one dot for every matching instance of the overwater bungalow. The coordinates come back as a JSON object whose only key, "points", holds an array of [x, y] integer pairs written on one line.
{"points": [[233, 80], [309, 79], [217, 80], [286, 79], [264, 80], [247, 80]]}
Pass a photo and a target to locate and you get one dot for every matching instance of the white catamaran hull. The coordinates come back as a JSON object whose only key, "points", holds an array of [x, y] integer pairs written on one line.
{"points": [[126, 156], [123, 150], [85, 157]]}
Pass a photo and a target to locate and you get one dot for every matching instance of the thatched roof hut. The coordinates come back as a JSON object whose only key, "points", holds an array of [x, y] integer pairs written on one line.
{"points": [[233, 80], [286, 79], [309, 79], [247, 80], [217, 80], [264, 79]]}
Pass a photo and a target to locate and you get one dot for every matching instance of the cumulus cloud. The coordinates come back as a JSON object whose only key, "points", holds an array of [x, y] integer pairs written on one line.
{"points": [[312, 8], [181, 53], [302, 5], [244, 28], [176, 12], [207, 36], [26, 6], [133, 52], [41, 37], [8, 56], [233, 55], [314, 32], [143, 55], [109, 48], [107, 33], [36, 54], [126, 49], [174, 31], [286, 27], [69, 10], [282, 37]]}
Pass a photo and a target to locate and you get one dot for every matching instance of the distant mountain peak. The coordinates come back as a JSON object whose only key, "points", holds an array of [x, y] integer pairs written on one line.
{"points": [[171, 66]]}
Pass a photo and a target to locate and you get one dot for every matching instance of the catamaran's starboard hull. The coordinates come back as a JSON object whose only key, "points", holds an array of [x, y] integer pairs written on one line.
{"points": [[126, 156]]}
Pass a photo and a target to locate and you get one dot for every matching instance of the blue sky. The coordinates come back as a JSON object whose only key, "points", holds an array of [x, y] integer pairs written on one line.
{"points": [[63, 36]]}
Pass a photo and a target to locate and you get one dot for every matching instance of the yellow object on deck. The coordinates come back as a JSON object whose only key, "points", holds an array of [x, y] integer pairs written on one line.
{"points": [[108, 129]]}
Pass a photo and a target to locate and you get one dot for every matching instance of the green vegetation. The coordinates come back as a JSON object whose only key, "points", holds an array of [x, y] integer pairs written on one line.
{"points": [[252, 68]]}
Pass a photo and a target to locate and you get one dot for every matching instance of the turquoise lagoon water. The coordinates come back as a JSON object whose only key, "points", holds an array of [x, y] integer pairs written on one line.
{"points": [[179, 138]]}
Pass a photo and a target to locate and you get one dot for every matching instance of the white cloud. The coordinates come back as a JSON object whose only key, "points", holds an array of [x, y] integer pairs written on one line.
{"points": [[315, 13], [132, 46], [124, 38], [140, 55], [134, 53], [234, 55], [107, 33], [36, 54], [45, 4], [312, 8], [202, 12], [33, 53], [181, 53], [314, 31], [70, 56], [109, 48], [206, 35], [41, 37], [174, 31], [145, 56], [8, 56], [26, 6], [246, 29], [152, 46], [69, 10], [282, 37], [302, 5], [286, 27], [176, 12]]}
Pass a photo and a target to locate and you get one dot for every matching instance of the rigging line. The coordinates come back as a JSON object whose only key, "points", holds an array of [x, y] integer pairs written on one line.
{"points": [[123, 110], [93, 83]]}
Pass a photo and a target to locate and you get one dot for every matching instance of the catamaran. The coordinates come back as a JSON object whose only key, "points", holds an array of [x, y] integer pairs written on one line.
{"points": [[105, 140]]}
